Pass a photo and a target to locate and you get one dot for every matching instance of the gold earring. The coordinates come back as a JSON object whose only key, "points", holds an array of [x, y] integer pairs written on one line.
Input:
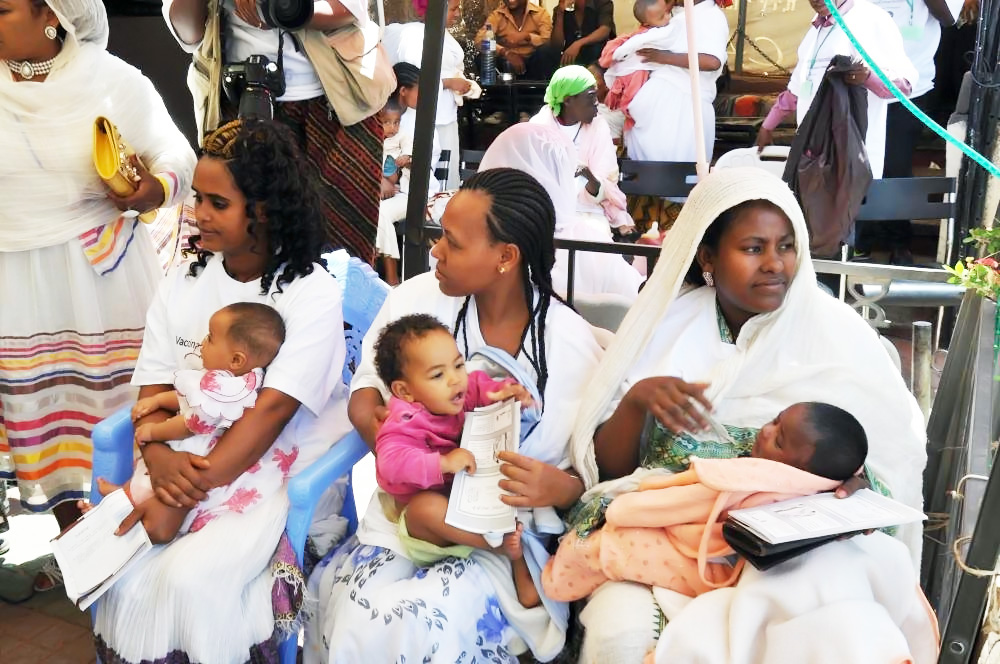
{"points": [[502, 269]]}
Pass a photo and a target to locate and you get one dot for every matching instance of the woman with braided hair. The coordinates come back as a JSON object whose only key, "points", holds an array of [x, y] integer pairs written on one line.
{"points": [[492, 284], [259, 240]]}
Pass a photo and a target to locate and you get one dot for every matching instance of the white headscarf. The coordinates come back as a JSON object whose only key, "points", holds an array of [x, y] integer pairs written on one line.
{"points": [[543, 153], [49, 188], [86, 21], [812, 348]]}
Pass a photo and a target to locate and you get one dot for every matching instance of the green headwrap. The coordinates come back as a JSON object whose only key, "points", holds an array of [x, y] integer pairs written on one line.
{"points": [[566, 82]]}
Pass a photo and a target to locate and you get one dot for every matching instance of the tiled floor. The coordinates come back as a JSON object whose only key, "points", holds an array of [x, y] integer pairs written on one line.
{"points": [[47, 629]]}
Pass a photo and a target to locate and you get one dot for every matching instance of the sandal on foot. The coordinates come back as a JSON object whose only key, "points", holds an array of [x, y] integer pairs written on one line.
{"points": [[48, 577], [4, 547]]}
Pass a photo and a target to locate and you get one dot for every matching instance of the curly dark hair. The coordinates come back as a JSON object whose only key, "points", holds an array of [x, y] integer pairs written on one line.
{"points": [[390, 348], [271, 172], [521, 213]]}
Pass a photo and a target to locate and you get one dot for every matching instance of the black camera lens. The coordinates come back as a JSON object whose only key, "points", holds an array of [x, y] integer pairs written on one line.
{"points": [[286, 14]]}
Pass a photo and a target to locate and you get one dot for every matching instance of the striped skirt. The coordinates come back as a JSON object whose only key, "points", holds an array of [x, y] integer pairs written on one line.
{"points": [[348, 163], [69, 340]]}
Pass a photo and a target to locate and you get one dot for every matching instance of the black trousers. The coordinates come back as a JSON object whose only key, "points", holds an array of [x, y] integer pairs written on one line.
{"points": [[539, 66], [902, 133]]}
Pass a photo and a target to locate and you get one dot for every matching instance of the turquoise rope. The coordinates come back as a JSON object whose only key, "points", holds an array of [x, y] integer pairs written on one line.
{"points": [[910, 106]]}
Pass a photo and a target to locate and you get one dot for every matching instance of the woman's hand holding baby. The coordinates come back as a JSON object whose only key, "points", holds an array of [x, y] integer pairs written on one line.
{"points": [[515, 390], [456, 460], [176, 476], [534, 483]]}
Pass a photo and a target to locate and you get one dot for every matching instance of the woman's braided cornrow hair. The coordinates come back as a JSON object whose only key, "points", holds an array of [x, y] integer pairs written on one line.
{"points": [[521, 213]]}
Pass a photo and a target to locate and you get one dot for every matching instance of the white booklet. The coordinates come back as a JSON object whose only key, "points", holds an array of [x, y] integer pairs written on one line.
{"points": [[823, 515], [474, 505], [91, 556]]}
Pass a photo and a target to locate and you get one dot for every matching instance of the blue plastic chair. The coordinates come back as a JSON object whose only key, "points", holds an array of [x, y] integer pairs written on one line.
{"points": [[363, 294]]}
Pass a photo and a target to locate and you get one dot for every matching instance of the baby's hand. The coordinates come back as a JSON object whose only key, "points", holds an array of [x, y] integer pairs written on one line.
{"points": [[403, 161], [516, 390], [144, 433], [144, 407], [456, 460]]}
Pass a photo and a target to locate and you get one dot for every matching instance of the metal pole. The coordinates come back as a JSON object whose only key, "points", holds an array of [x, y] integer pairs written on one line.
{"points": [[920, 366], [693, 71], [741, 33], [414, 251], [984, 111]]}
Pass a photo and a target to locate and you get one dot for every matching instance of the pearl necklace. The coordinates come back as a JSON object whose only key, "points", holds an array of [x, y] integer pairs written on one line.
{"points": [[28, 70]]}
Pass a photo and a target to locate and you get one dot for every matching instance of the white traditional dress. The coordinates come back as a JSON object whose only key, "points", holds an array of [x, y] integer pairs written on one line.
{"points": [[662, 109], [812, 348], [374, 604], [206, 596], [210, 402], [76, 276], [544, 153]]}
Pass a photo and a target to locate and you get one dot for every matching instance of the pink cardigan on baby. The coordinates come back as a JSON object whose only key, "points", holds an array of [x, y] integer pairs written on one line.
{"points": [[409, 444], [666, 533]]}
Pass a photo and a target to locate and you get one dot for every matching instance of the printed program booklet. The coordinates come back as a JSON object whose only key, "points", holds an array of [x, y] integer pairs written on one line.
{"points": [[91, 556], [770, 534], [474, 504]]}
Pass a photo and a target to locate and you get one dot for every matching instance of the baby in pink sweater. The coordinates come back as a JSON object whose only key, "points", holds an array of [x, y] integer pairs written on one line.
{"points": [[416, 448]]}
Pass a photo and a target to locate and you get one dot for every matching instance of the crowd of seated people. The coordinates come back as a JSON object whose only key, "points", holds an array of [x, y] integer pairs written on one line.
{"points": [[729, 333]]}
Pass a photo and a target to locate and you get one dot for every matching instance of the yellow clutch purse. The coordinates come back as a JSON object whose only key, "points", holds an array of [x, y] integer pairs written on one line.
{"points": [[113, 164]]}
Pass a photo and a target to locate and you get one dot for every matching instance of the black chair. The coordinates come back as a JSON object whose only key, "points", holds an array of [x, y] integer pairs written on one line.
{"points": [[674, 179], [908, 198], [441, 170], [469, 163]]}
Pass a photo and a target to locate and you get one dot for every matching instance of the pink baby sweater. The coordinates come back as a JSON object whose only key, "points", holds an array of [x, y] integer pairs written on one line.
{"points": [[409, 444]]}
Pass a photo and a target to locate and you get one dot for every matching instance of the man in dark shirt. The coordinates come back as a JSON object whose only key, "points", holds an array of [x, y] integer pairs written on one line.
{"points": [[581, 28]]}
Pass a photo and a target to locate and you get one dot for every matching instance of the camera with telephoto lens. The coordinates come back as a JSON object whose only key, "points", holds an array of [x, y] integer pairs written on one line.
{"points": [[286, 14], [253, 85]]}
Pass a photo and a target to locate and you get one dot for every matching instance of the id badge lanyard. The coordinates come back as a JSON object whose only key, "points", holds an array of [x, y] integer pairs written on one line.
{"points": [[911, 32], [807, 85]]}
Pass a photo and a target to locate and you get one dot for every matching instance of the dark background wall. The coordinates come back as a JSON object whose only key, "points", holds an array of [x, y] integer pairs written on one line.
{"points": [[144, 42]]}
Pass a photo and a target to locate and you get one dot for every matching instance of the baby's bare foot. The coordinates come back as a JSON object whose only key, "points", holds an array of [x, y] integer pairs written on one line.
{"points": [[105, 487], [524, 585], [511, 546]]}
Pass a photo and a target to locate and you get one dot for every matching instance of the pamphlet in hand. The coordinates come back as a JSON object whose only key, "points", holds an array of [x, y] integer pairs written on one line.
{"points": [[770, 534], [474, 505], [91, 556]]}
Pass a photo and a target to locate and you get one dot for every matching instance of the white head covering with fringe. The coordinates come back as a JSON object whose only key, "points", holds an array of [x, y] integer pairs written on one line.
{"points": [[812, 348], [50, 191], [86, 21], [545, 154]]}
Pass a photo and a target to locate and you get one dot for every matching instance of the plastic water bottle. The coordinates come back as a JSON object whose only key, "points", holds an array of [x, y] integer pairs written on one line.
{"points": [[487, 59]]}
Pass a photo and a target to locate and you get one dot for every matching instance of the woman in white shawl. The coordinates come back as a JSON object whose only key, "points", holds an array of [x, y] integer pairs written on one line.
{"points": [[571, 107], [548, 156], [753, 337], [491, 286], [76, 274]]}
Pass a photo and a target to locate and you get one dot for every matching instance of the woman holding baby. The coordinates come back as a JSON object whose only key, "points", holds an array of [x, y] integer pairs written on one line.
{"points": [[731, 323], [206, 596], [662, 108], [492, 287]]}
